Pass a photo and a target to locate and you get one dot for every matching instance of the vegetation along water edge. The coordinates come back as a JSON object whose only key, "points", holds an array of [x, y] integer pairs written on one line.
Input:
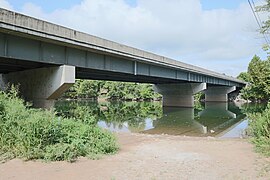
{"points": [[29, 133]]}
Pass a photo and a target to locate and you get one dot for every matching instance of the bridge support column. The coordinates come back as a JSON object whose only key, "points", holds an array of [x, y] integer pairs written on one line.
{"points": [[43, 85], [218, 93], [180, 94]]}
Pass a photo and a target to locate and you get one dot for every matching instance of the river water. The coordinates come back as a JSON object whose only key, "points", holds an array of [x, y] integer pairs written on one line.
{"points": [[224, 120]]}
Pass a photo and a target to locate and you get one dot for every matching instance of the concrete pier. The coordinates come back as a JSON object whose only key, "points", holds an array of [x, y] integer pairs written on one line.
{"points": [[179, 95], [43, 85], [218, 93]]}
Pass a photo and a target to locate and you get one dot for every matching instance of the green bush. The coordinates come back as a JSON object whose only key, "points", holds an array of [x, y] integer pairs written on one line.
{"points": [[39, 134], [260, 130]]}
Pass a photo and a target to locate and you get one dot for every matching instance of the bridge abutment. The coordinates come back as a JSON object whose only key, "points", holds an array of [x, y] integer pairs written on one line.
{"points": [[180, 94], [218, 93], [43, 85]]}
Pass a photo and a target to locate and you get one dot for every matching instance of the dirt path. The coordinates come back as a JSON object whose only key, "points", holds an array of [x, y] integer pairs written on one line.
{"points": [[153, 157]]}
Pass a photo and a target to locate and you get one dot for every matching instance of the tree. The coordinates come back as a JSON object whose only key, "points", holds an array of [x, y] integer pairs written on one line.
{"points": [[84, 89], [244, 76], [266, 24], [258, 76], [265, 29], [113, 90]]}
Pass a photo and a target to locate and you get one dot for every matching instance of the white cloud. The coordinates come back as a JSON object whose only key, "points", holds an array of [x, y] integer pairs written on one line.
{"points": [[4, 4], [177, 28]]}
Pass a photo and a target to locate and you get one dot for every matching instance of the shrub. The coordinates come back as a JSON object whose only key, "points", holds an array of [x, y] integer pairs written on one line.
{"points": [[39, 134], [260, 130]]}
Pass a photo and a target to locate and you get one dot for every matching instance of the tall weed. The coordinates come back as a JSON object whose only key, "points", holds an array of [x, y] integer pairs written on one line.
{"points": [[39, 134], [260, 130]]}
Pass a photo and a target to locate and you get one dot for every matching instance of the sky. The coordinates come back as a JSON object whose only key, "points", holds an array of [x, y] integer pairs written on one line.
{"points": [[219, 35]]}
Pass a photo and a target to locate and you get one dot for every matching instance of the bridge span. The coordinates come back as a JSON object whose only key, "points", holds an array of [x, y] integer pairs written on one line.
{"points": [[45, 59]]}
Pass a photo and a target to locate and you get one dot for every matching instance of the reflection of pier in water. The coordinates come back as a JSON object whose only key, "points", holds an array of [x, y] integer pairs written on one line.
{"points": [[216, 118]]}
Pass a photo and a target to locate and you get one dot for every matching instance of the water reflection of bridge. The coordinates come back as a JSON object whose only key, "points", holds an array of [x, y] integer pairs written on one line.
{"points": [[215, 119]]}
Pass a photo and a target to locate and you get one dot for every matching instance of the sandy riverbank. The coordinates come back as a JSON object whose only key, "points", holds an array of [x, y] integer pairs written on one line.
{"points": [[154, 157]]}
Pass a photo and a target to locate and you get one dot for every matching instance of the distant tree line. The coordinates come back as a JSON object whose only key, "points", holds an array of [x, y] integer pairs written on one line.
{"points": [[111, 90]]}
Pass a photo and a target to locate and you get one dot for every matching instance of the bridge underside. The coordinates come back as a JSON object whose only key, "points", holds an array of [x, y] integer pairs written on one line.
{"points": [[14, 65], [42, 83]]}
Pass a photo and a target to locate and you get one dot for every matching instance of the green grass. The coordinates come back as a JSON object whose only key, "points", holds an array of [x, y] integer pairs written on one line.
{"points": [[39, 134], [259, 127]]}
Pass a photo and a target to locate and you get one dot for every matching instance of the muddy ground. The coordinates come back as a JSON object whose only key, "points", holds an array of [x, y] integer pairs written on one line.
{"points": [[154, 157]]}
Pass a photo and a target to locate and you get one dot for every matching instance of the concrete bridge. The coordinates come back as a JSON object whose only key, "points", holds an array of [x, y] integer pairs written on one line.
{"points": [[45, 59]]}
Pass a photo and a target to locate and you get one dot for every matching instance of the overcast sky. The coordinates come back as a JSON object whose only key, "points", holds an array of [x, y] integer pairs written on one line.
{"points": [[220, 35]]}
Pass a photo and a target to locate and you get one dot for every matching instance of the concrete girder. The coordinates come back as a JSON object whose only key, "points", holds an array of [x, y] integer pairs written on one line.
{"points": [[180, 94], [42, 86]]}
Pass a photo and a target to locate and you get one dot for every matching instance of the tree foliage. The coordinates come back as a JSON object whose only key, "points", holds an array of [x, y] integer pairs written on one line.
{"points": [[244, 76], [85, 89], [112, 90], [266, 24], [258, 76]]}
